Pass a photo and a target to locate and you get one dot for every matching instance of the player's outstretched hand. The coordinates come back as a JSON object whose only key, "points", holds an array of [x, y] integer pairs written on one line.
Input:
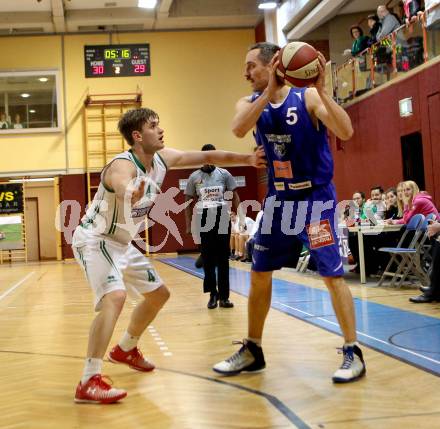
{"points": [[259, 158]]}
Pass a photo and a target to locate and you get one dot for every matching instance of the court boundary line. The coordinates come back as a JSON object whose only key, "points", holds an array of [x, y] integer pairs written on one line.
{"points": [[16, 285], [308, 320], [279, 405]]}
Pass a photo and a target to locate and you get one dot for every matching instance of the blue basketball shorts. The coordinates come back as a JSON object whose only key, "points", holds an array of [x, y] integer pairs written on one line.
{"points": [[309, 219]]}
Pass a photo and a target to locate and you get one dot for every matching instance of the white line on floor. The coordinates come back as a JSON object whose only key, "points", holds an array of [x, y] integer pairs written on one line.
{"points": [[18, 284], [161, 344], [364, 335]]}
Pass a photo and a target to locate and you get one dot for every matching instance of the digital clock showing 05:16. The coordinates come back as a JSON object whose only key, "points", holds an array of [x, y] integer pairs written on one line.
{"points": [[116, 54]]}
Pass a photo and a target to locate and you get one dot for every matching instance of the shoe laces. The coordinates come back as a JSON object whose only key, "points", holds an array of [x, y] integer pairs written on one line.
{"points": [[348, 358], [137, 354], [103, 381], [236, 356]]}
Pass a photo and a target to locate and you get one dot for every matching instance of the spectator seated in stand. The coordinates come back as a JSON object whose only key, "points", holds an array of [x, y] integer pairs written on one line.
{"points": [[389, 238], [4, 123], [374, 25], [389, 22], [375, 207], [415, 202], [392, 210], [241, 238], [360, 42], [235, 231], [17, 122], [374, 210], [400, 202], [359, 200], [411, 8], [251, 240]]}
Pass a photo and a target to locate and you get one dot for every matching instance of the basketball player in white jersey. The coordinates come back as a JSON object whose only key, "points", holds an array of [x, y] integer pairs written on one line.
{"points": [[102, 245]]}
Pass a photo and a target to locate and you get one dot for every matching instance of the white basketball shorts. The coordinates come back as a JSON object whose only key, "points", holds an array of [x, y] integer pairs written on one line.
{"points": [[110, 266]]}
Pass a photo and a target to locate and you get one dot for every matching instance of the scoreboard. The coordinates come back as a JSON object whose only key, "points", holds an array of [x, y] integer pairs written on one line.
{"points": [[117, 60]]}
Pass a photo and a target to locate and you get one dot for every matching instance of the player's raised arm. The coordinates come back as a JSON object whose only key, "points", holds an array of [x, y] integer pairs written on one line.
{"points": [[323, 107], [177, 158], [247, 114]]}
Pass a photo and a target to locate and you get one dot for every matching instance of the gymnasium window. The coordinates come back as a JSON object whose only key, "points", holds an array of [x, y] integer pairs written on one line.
{"points": [[29, 102]]}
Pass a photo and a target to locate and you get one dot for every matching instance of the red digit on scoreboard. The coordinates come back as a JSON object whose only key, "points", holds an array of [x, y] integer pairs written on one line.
{"points": [[98, 70], [139, 68]]}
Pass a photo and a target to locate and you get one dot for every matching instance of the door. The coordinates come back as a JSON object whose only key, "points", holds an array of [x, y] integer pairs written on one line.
{"points": [[32, 229], [412, 157]]}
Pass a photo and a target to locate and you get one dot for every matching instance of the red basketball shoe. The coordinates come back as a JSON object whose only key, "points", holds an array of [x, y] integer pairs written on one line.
{"points": [[133, 358], [97, 391]]}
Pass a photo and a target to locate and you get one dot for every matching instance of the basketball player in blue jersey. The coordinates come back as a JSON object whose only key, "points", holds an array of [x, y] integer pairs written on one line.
{"points": [[290, 123], [102, 245]]}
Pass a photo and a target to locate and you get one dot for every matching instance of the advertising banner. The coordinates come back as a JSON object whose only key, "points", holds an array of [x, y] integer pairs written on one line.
{"points": [[11, 233], [11, 198]]}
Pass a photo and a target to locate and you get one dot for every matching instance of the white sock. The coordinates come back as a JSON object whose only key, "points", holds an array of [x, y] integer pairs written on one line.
{"points": [[354, 343], [92, 367], [128, 342], [256, 341]]}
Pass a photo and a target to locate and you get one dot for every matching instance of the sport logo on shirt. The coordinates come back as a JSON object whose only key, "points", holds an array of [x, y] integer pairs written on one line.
{"points": [[320, 234], [283, 169]]}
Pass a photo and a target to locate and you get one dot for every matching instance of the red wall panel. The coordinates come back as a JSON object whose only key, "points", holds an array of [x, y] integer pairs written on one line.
{"points": [[158, 233], [373, 155], [73, 188]]}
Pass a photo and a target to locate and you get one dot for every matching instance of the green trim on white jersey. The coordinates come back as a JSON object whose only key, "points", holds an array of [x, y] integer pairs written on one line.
{"points": [[106, 215]]}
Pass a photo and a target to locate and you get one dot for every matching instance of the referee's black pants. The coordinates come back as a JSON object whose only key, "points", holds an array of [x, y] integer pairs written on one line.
{"points": [[215, 251]]}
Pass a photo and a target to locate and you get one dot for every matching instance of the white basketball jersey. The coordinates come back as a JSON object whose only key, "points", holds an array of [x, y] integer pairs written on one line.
{"points": [[107, 216]]}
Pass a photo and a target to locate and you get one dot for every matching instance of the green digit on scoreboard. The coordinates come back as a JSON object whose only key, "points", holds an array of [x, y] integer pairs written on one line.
{"points": [[125, 53], [110, 54]]}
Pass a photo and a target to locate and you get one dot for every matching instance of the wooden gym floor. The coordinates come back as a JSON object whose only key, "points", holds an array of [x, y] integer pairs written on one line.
{"points": [[45, 313]]}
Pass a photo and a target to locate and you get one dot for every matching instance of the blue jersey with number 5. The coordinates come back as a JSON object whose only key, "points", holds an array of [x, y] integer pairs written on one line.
{"points": [[297, 151]]}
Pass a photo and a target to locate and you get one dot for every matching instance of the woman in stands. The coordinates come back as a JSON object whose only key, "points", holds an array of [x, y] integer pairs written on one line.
{"points": [[392, 209], [415, 202], [360, 42], [400, 203]]}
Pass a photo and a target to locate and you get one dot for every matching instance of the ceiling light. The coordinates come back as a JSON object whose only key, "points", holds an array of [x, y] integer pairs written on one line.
{"points": [[32, 111], [147, 4], [25, 95], [39, 179], [43, 79], [267, 5]]}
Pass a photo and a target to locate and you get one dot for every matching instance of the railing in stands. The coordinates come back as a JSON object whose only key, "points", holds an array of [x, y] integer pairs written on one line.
{"points": [[393, 56]]}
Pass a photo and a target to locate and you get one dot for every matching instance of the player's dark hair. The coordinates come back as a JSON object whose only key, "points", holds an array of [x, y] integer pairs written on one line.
{"points": [[267, 51], [208, 146], [134, 120]]}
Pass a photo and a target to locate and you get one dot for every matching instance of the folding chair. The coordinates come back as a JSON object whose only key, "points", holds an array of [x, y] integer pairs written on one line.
{"points": [[426, 257], [397, 253], [415, 258], [303, 261]]}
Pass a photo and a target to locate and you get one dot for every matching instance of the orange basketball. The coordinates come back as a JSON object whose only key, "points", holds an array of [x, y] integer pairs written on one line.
{"points": [[298, 64]]}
